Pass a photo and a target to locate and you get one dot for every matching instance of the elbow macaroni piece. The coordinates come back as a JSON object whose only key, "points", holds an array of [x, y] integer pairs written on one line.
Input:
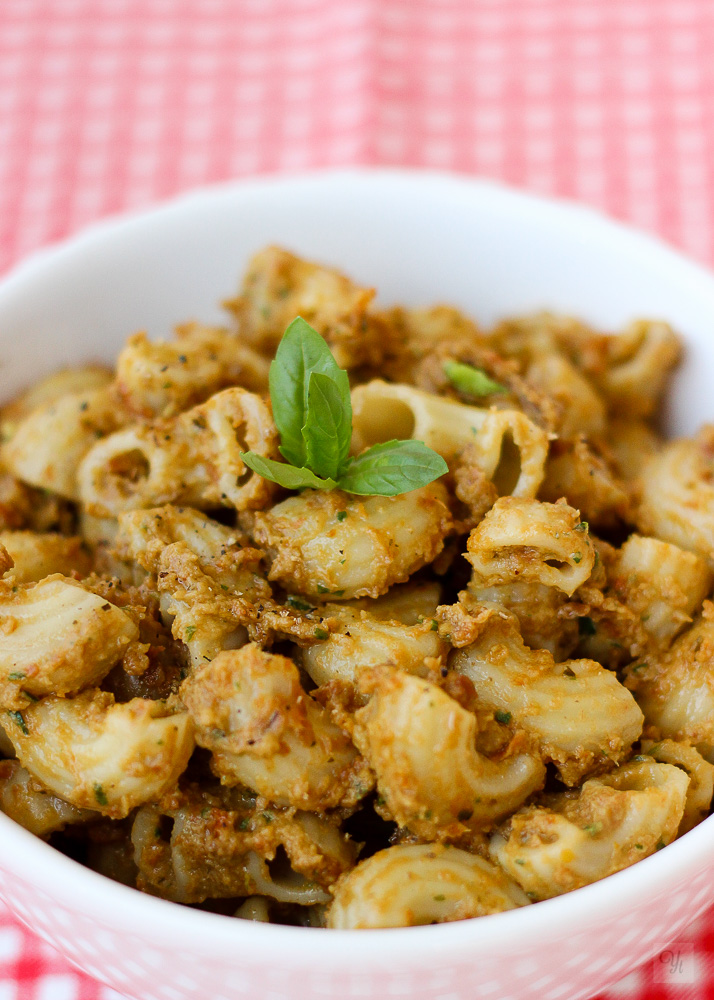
{"points": [[366, 641], [279, 286], [69, 381], [266, 733], [192, 459], [98, 754], [663, 584], [216, 849], [206, 574], [49, 444], [36, 556], [536, 607], [528, 540], [159, 379], [422, 746], [701, 777], [639, 362], [411, 884], [677, 494], [615, 820], [382, 411], [675, 687], [334, 544], [631, 443], [508, 447], [23, 799], [581, 715], [585, 475], [582, 410], [57, 639]]}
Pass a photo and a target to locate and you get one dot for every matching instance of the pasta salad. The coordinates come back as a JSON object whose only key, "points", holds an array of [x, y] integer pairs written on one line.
{"points": [[356, 617]]}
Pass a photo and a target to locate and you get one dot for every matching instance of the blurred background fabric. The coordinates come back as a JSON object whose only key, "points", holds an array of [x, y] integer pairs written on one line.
{"points": [[113, 105]]}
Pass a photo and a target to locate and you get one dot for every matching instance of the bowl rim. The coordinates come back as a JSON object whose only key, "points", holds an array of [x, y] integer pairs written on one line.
{"points": [[35, 862]]}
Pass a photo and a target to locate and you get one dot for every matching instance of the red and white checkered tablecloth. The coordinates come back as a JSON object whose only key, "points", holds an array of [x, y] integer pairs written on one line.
{"points": [[107, 105]]}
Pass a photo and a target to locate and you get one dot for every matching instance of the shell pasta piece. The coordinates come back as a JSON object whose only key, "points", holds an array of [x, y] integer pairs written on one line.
{"points": [[407, 885]]}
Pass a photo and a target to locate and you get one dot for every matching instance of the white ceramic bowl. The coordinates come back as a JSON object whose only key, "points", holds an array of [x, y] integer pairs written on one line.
{"points": [[420, 238]]}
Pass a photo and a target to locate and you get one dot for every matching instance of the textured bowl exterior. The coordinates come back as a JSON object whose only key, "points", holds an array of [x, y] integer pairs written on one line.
{"points": [[430, 237]]}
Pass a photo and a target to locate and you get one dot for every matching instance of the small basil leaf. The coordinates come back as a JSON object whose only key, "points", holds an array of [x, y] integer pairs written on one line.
{"points": [[392, 468], [471, 381], [301, 351], [328, 427], [285, 475]]}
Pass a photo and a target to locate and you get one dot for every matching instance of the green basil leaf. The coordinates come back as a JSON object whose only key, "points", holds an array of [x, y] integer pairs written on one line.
{"points": [[328, 427], [471, 381], [285, 475], [302, 351], [392, 468]]}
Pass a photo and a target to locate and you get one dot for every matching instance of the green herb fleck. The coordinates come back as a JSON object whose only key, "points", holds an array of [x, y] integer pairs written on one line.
{"points": [[321, 633], [19, 719], [660, 844], [341, 515], [434, 625], [244, 824], [586, 626], [593, 829], [504, 717], [440, 898], [322, 589], [17, 675], [268, 817], [576, 557], [100, 795], [297, 603], [470, 380], [640, 847], [583, 526], [190, 632], [640, 666], [520, 861]]}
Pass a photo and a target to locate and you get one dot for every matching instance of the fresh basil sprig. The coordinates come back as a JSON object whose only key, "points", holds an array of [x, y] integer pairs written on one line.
{"points": [[312, 410], [471, 381]]}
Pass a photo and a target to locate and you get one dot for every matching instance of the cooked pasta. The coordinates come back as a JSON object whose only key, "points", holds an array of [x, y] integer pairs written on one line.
{"points": [[379, 621]]}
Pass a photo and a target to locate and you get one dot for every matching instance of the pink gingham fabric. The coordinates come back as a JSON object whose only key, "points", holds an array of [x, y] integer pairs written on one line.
{"points": [[109, 105]]}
